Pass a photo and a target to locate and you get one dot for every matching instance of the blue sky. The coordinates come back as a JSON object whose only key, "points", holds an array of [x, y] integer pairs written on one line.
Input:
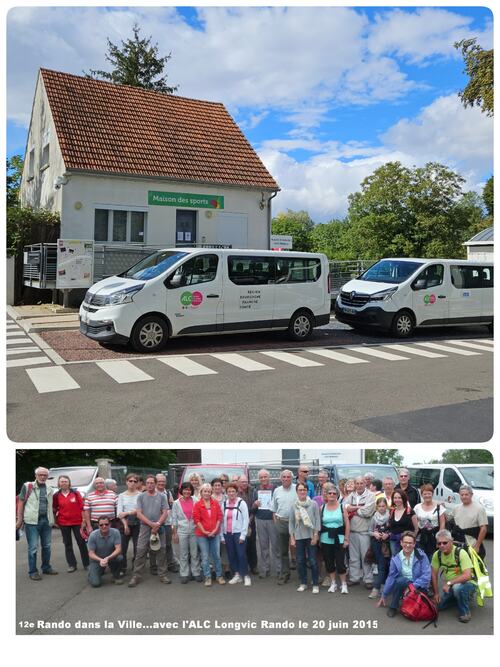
{"points": [[324, 94]]}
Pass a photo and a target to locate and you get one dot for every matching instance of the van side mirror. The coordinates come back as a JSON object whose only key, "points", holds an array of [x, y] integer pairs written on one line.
{"points": [[421, 283]]}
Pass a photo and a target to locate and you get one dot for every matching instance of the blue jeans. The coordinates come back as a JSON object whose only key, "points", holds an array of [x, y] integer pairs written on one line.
{"points": [[237, 553], [459, 594], [34, 531], [395, 546], [382, 564], [400, 585], [306, 553], [96, 571], [210, 548]]}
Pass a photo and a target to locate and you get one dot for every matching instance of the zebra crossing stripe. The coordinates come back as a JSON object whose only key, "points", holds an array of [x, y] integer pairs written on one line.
{"points": [[16, 341], [293, 359], [240, 361], [338, 356], [50, 379], [14, 334], [123, 371], [486, 341], [413, 350], [187, 366], [472, 346], [372, 352], [447, 348], [22, 350], [33, 361]]}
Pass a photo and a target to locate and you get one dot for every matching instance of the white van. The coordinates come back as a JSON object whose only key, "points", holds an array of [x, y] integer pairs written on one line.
{"points": [[193, 291], [398, 295], [447, 478]]}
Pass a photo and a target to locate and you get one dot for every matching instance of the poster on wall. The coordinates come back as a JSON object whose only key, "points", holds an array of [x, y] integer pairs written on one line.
{"points": [[75, 263]]}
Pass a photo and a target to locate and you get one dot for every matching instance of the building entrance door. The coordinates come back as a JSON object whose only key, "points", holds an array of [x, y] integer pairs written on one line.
{"points": [[185, 228]]}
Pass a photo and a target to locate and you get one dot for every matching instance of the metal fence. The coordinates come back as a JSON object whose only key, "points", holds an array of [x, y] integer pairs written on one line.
{"points": [[40, 265], [342, 272]]}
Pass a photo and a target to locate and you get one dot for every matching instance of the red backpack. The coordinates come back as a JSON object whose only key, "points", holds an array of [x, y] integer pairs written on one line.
{"points": [[417, 606]]}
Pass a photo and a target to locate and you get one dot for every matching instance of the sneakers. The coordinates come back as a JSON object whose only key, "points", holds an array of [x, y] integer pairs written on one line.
{"points": [[247, 581], [368, 585], [164, 579], [344, 590], [221, 580], [235, 580], [465, 618], [199, 578], [72, 568], [51, 572], [326, 582], [315, 590], [373, 593], [301, 588], [208, 581], [133, 581], [118, 581], [35, 577], [333, 587]]}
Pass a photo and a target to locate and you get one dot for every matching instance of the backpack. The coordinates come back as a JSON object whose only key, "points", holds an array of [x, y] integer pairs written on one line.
{"points": [[417, 606]]}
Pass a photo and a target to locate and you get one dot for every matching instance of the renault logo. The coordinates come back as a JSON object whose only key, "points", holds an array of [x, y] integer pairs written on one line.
{"points": [[353, 295]]}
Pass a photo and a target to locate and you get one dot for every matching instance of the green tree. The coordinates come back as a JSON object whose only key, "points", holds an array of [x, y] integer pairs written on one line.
{"points": [[479, 69], [29, 459], [332, 239], [418, 212], [488, 194], [14, 174], [29, 225], [467, 456], [137, 63], [387, 456], [297, 224]]}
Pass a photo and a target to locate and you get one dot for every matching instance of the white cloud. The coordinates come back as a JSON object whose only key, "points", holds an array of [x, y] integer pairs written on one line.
{"points": [[442, 132], [425, 32]]}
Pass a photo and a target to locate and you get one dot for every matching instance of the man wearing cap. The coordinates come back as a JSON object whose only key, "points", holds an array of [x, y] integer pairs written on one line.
{"points": [[34, 509], [152, 510], [105, 550]]}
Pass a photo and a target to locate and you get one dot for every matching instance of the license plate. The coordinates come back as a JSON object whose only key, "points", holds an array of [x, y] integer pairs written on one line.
{"points": [[350, 311]]}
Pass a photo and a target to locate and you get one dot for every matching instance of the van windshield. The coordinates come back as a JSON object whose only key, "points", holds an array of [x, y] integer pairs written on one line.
{"points": [[480, 478], [153, 265], [390, 271], [78, 476]]}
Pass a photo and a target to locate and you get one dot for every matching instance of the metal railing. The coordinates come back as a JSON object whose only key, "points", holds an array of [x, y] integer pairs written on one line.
{"points": [[40, 265], [342, 272]]}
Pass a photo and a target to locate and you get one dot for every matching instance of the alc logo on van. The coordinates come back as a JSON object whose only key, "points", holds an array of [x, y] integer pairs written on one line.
{"points": [[193, 299]]}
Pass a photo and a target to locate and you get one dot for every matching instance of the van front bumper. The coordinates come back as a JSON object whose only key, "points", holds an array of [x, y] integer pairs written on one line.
{"points": [[373, 316], [103, 332]]}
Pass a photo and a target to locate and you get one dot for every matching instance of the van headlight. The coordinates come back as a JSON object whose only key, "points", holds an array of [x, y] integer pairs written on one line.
{"points": [[122, 296], [384, 295], [486, 503]]}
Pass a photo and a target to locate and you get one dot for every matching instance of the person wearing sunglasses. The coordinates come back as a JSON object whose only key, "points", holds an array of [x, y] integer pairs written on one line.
{"points": [[127, 513], [105, 547], [404, 485], [334, 537], [409, 566], [454, 568]]}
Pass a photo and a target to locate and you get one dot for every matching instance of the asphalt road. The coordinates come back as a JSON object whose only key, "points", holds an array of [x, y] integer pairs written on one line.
{"points": [[65, 604], [415, 399]]}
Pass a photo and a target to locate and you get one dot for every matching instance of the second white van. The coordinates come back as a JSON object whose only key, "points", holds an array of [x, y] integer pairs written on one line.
{"points": [[400, 294], [193, 291]]}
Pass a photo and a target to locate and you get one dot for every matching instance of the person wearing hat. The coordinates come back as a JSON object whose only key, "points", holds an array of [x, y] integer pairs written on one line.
{"points": [[152, 510], [105, 550]]}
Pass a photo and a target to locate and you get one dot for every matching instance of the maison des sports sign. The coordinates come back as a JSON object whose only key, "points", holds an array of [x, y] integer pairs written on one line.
{"points": [[184, 199]]}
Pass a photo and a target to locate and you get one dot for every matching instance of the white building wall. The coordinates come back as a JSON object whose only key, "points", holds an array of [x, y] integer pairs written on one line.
{"points": [[39, 191], [480, 253]]}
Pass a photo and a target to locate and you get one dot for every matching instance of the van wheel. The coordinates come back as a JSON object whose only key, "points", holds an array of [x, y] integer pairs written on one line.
{"points": [[403, 324], [150, 334], [301, 326]]}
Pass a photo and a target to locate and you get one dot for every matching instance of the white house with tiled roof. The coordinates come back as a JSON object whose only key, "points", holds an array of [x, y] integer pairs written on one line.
{"points": [[124, 165]]}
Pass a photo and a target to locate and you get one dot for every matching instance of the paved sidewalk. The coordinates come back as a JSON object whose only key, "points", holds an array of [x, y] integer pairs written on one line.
{"points": [[44, 317]]}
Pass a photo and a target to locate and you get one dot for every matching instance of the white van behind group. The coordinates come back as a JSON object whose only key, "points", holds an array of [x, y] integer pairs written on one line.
{"points": [[447, 478], [193, 291], [399, 294]]}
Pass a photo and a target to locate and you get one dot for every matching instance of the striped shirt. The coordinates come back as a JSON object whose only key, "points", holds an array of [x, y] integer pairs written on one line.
{"points": [[101, 504]]}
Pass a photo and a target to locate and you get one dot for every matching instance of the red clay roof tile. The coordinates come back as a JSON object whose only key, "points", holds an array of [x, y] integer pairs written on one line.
{"points": [[108, 128]]}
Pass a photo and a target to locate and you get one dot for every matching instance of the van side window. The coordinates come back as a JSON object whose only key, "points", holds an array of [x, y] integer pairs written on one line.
{"points": [[198, 269], [487, 276], [297, 270], [468, 277], [250, 270], [451, 479], [419, 476], [432, 275]]}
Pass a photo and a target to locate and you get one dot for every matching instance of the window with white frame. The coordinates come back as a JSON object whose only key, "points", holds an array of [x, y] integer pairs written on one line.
{"points": [[44, 162], [31, 164], [119, 226]]}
